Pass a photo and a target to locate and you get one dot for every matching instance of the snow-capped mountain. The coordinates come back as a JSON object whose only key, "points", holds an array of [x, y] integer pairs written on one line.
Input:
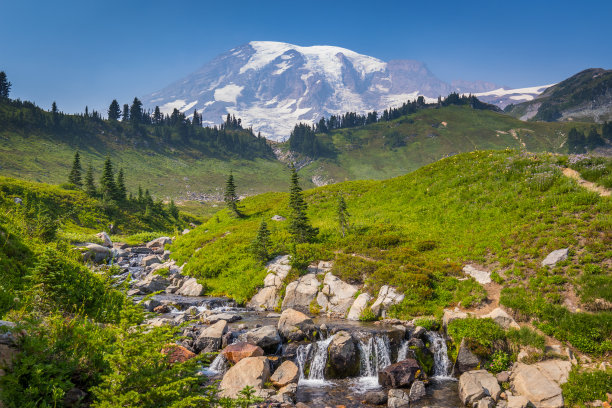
{"points": [[503, 97], [272, 86]]}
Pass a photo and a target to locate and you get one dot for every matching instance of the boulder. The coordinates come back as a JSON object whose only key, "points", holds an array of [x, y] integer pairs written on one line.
{"points": [[359, 305], [555, 256], [502, 377], [400, 374], [518, 401], [343, 358], [476, 385], [177, 354], [466, 360], [186, 231], [266, 337], [228, 317], [190, 287], [150, 304], [486, 402], [286, 374], [417, 391], [398, 399], [17, 200], [387, 296], [450, 315], [299, 294], [419, 332], [210, 338], [480, 276], [267, 297], [162, 309], [286, 395], [251, 371], [150, 260], [336, 296], [159, 243], [278, 218], [96, 253], [540, 383], [237, 351], [73, 397], [502, 318], [151, 283], [376, 398], [295, 326], [106, 241]]}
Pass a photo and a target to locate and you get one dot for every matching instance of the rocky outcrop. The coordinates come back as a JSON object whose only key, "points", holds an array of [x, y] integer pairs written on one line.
{"points": [[400, 374], [190, 287], [295, 326], [299, 294], [555, 256], [159, 243], [540, 383], [287, 373], [237, 351], [150, 260], [482, 277], [336, 296], [214, 318], [518, 401], [417, 391], [466, 360], [387, 296], [267, 297], [251, 371], [476, 385], [210, 338], [450, 315], [376, 398], [151, 283], [96, 253], [397, 398], [266, 337], [502, 318], [359, 305], [106, 241], [343, 358]]}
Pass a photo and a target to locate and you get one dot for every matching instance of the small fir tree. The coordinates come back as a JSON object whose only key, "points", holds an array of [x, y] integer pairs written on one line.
{"points": [[125, 116], [75, 173], [108, 188], [173, 210], [230, 197], [299, 227], [90, 186], [114, 110], [5, 86], [261, 244], [342, 216], [121, 188]]}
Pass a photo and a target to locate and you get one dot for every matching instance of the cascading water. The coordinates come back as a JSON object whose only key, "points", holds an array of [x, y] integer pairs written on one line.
{"points": [[383, 352], [374, 354], [316, 353], [302, 358], [217, 366], [402, 353], [441, 362]]}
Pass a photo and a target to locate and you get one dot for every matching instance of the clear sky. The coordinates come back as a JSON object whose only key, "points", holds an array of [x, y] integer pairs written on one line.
{"points": [[87, 52]]}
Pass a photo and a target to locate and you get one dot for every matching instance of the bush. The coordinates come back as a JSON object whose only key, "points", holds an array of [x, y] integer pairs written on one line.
{"points": [[482, 334], [367, 315], [428, 323], [586, 386], [500, 361], [525, 337]]}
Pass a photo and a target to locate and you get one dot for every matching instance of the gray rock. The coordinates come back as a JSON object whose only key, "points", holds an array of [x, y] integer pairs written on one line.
{"points": [[482, 277], [518, 401], [476, 385], [73, 397], [503, 377], [295, 326], [150, 260], [419, 332], [228, 317], [17, 200], [400, 374], [150, 304], [387, 296], [300, 294], [466, 360], [96, 253], [190, 287], [540, 383], [278, 218], [376, 398], [343, 358], [251, 371], [151, 283], [398, 399], [159, 243], [268, 297], [336, 296], [417, 391], [486, 402], [555, 256], [210, 338], [502, 318], [359, 305], [106, 241], [266, 337], [450, 315]]}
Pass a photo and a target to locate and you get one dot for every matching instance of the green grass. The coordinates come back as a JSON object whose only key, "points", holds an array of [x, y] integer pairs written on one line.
{"points": [[505, 209]]}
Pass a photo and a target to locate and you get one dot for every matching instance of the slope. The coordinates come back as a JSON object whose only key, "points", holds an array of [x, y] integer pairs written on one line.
{"points": [[586, 96]]}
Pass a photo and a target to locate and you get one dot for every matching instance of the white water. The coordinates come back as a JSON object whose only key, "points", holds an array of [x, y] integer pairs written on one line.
{"points": [[374, 355], [217, 366], [316, 353], [442, 364], [402, 353]]}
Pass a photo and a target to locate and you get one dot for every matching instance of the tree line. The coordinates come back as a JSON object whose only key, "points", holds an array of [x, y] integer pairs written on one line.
{"points": [[578, 142], [303, 136]]}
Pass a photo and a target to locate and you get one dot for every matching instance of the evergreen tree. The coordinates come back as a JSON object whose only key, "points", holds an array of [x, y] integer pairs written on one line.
{"points": [[75, 173], [173, 210], [126, 112], [576, 142], [299, 227], [342, 215], [606, 131], [5, 86], [594, 140], [114, 110], [230, 197], [157, 116], [121, 189], [140, 195], [261, 244], [108, 188], [55, 113], [136, 111], [90, 186]]}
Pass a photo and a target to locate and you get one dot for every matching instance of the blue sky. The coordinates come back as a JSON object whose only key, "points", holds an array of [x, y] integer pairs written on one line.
{"points": [[88, 52]]}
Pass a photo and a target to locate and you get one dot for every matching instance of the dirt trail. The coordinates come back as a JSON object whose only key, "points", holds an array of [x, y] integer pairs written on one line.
{"points": [[602, 191]]}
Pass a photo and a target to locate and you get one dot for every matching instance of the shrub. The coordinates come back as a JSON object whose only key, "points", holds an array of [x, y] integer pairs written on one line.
{"points": [[500, 361], [426, 246], [367, 315], [586, 386], [428, 323], [482, 334], [525, 337]]}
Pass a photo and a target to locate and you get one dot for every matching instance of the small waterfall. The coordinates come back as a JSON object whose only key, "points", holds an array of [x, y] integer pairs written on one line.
{"points": [[374, 355], [383, 352], [317, 365], [217, 366], [402, 353], [316, 354], [442, 364], [302, 358]]}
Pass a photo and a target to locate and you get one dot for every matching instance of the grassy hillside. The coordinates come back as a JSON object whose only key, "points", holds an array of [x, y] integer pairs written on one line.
{"points": [[505, 210], [389, 149]]}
